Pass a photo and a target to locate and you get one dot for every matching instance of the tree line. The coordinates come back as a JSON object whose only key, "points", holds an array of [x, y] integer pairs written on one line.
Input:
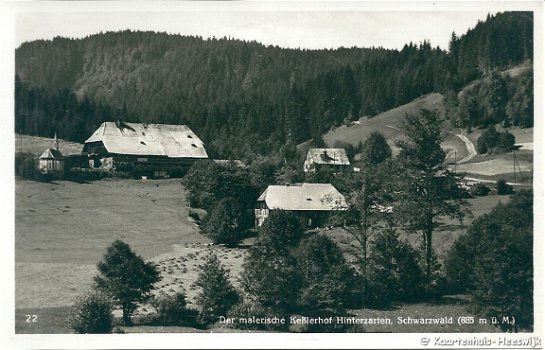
{"points": [[243, 98]]}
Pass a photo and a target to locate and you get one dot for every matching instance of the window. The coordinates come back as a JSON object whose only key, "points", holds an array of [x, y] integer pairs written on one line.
{"points": [[143, 143]]}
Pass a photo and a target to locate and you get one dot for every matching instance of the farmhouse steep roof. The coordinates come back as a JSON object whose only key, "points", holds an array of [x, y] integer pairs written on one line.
{"points": [[51, 154], [305, 196], [175, 141], [331, 156]]}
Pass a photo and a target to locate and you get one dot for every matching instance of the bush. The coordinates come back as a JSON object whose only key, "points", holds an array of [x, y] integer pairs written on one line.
{"points": [[493, 141], [328, 281], [271, 277], [172, 311], [488, 140], [26, 166], [394, 272], [506, 142], [92, 314], [225, 224], [479, 189], [503, 188]]}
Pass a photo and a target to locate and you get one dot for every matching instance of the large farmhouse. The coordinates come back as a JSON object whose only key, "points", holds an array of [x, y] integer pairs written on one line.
{"points": [[334, 159], [158, 149], [314, 202]]}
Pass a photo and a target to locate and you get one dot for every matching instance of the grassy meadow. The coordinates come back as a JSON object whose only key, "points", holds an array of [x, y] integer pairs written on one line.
{"points": [[37, 145]]}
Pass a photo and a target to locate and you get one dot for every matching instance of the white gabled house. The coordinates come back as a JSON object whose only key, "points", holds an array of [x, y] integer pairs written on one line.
{"points": [[313, 202]]}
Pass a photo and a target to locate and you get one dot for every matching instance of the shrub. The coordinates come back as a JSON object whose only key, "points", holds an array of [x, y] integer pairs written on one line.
{"points": [[503, 188], [481, 146], [172, 311], [394, 272], [506, 142], [479, 189], [26, 166], [493, 141], [224, 225], [488, 140], [328, 281], [271, 276], [91, 314]]}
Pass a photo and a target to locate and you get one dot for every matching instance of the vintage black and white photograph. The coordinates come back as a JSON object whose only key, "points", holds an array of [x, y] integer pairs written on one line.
{"points": [[275, 168]]}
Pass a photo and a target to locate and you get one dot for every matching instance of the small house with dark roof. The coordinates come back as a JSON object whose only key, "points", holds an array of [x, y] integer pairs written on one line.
{"points": [[314, 202], [157, 148], [51, 162], [334, 159]]}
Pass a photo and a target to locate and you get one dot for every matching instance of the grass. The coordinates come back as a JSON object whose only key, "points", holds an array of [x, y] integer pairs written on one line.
{"points": [[67, 222], [49, 320], [388, 123], [495, 166], [37, 145]]}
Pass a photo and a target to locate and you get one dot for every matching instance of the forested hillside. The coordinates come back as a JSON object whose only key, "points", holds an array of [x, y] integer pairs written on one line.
{"points": [[244, 98]]}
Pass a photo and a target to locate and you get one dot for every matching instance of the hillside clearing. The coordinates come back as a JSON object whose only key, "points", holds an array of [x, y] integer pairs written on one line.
{"points": [[37, 145], [62, 230], [68, 222], [388, 123], [494, 167]]}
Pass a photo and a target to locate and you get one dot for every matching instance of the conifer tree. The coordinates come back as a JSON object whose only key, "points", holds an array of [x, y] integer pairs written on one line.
{"points": [[217, 294]]}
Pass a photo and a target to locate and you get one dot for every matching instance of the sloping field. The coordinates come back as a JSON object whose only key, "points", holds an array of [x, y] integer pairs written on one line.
{"points": [[37, 145], [67, 222], [388, 123], [494, 167], [51, 284], [62, 230]]}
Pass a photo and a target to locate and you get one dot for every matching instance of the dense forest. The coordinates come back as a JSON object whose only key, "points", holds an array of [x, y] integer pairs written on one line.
{"points": [[243, 98]]}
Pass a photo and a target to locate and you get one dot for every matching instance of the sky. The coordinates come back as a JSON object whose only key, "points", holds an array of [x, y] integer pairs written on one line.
{"points": [[286, 27]]}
